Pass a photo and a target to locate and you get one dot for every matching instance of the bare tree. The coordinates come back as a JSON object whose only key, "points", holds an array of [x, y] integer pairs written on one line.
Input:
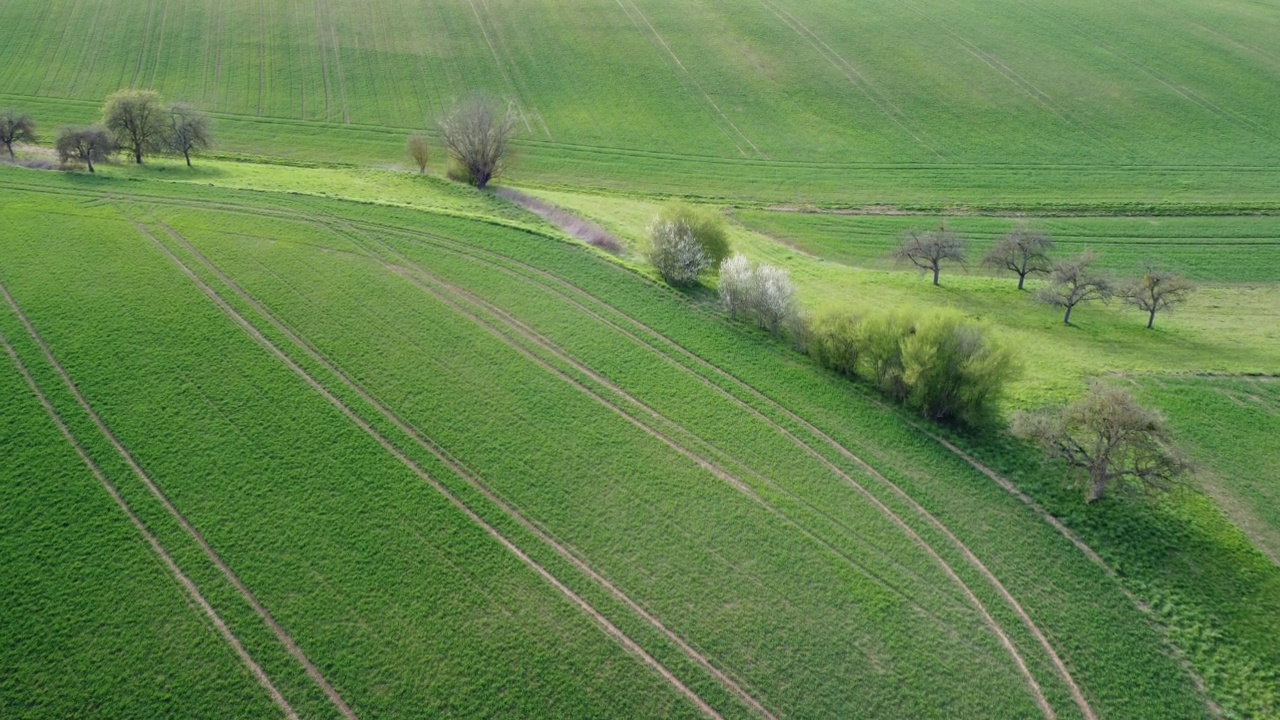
{"points": [[189, 129], [1021, 252], [137, 120], [15, 127], [84, 144], [1110, 437], [928, 250], [419, 149], [1073, 282], [676, 254], [1158, 290], [477, 134]]}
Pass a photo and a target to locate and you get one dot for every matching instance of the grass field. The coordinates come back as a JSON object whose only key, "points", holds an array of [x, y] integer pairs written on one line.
{"points": [[298, 433]]}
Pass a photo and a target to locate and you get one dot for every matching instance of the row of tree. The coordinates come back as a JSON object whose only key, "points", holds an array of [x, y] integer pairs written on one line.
{"points": [[1071, 282], [136, 122]]}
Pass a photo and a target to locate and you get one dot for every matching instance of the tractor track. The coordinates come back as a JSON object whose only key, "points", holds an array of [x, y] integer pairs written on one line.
{"points": [[189, 585], [283, 637], [598, 618]]}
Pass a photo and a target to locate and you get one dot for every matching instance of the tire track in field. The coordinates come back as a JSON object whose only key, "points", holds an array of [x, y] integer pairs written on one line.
{"points": [[463, 472], [146, 43], [970, 557], [192, 590], [285, 639], [662, 41], [853, 75], [717, 471], [600, 620], [497, 61], [519, 77], [532, 336]]}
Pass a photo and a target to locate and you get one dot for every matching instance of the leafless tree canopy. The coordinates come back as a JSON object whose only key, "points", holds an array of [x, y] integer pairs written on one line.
{"points": [[1111, 438], [15, 127], [137, 120], [1073, 282], [189, 130], [1021, 252], [477, 134], [87, 144], [1158, 290], [928, 250], [419, 148]]}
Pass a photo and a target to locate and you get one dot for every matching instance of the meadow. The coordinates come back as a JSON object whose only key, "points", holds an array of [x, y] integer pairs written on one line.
{"points": [[296, 432]]}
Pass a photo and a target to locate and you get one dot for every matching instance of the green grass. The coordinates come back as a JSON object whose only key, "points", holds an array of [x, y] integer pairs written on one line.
{"points": [[933, 102]]}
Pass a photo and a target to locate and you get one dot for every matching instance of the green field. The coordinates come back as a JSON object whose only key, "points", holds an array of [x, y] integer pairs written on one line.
{"points": [[295, 432]]}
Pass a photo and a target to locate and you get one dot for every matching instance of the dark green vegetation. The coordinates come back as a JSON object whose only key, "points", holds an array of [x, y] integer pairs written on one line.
{"points": [[416, 455]]}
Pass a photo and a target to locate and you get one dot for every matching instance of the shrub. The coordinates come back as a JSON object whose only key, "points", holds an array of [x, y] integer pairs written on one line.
{"points": [[762, 294], [707, 226], [676, 253], [835, 341], [940, 364]]}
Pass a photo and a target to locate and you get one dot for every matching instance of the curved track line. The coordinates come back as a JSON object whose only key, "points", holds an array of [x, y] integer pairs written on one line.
{"points": [[711, 467], [463, 472], [595, 615], [209, 552], [156, 547], [970, 557]]}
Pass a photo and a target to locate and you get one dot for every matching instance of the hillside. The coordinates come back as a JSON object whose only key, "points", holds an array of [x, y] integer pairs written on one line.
{"points": [[299, 432]]}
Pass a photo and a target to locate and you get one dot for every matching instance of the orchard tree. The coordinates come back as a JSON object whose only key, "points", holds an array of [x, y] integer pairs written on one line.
{"points": [[137, 120], [707, 225], [419, 148], [1021, 252], [84, 144], [1158, 290], [1111, 439], [928, 250], [1073, 282], [16, 126], [676, 254], [190, 129], [477, 135]]}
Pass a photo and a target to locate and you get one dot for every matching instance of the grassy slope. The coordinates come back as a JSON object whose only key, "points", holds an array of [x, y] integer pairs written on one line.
{"points": [[94, 624], [405, 604], [1066, 600], [900, 102]]}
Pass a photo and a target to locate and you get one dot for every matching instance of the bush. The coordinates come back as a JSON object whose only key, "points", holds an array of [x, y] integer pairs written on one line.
{"points": [[676, 253], [835, 341], [763, 295], [940, 364], [706, 224]]}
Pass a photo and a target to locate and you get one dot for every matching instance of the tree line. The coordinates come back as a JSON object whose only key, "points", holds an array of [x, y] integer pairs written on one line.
{"points": [[135, 122], [1072, 281]]}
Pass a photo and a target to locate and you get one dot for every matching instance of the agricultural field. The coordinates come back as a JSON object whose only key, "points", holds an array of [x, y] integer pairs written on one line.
{"points": [[300, 432]]}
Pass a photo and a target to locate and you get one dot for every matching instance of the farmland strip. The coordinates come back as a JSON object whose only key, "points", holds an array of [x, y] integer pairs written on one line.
{"points": [[186, 582], [209, 552], [387, 445], [714, 469], [968, 554]]}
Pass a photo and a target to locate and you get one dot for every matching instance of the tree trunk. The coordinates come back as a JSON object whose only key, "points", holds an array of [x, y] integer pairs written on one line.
{"points": [[10, 146], [1151, 320], [187, 154], [1066, 319], [90, 162], [1097, 486], [1022, 278], [935, 273], [137, 155]]}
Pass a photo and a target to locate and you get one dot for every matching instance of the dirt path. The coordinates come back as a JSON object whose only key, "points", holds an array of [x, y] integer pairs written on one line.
{"points": [[458, 468], [284, 638], [603, 622], [186, 582]]}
